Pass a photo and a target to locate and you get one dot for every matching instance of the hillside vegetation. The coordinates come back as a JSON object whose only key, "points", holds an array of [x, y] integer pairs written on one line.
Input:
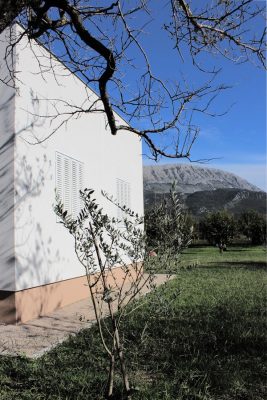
{"points": [[202, 189]]}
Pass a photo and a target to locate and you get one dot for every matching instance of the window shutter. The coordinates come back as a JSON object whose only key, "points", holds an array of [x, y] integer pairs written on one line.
{"points": [[69, 182], [75, 189], [123, 196], [66, 185], [80, 183], [59, 177]]}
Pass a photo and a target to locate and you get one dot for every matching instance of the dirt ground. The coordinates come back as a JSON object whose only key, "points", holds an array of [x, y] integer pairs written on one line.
{"points": [[37, 336]]}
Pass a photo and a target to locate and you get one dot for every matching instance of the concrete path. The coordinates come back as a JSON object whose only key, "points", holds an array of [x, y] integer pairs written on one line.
{"points": [[34, 338]]}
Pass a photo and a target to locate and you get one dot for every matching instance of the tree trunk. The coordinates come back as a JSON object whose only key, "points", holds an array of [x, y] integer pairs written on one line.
{"points": [[119, 351], [111, 376], [116, 335]]}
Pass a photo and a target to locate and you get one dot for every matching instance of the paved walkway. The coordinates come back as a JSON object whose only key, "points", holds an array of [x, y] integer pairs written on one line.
{"points": [[34, 338]]}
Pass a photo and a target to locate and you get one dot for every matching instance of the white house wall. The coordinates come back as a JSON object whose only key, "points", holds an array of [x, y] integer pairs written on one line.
{"points": [[44, 250], [7, 110]]}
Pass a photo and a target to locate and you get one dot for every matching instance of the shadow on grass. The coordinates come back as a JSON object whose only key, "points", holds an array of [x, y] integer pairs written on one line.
{"points": [[237, 250], [229, 250], [250, 265], [207, 343], [212, 350]]}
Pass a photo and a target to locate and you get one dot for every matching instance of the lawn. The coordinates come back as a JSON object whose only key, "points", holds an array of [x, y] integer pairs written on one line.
{"points": [[200, 336], [234, 256]]}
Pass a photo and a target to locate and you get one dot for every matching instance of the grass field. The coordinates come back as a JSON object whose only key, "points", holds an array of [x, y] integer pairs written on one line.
{"points": [[200, 336], [234, 256]]}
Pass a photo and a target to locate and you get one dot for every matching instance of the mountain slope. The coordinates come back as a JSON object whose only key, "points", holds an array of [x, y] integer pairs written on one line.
{"points": [[190, 179], [235, 201], [202, 189]]}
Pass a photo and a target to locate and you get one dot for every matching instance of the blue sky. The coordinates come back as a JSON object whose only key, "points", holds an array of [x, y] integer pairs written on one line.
{"points": [[236, 142]]}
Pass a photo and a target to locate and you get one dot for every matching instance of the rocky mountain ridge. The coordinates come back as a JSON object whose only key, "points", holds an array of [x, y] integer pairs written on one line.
{"points": [[202, 189], [191, 178]]}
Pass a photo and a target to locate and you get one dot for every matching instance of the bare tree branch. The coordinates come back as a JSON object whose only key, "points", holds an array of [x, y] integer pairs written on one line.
{"points": [[97, 42]]}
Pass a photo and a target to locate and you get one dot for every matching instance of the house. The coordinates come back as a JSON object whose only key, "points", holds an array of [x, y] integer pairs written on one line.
{"points": [[42, 149]]}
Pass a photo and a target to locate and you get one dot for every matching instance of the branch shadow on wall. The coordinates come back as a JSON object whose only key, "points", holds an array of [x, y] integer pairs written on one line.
{"points": [[20, 184]]}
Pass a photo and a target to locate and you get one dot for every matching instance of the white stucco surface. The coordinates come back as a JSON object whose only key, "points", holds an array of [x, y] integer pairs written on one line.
{"points": [[7, 117], [43, 249]]}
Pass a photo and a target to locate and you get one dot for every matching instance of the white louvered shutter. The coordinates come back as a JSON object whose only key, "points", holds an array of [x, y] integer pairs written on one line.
{"points": [[75, 189], [80, 182], [123, 196], [69, 182], [67, 185], [59, 177]]}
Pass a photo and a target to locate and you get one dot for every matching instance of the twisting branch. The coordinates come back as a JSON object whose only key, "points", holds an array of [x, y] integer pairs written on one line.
{"points": [[97, 42]]}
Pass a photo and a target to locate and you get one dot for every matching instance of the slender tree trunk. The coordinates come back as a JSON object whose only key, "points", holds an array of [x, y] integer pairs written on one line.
{"points": [[113, 319], [119, 351], [111, 354], [111, 376]]}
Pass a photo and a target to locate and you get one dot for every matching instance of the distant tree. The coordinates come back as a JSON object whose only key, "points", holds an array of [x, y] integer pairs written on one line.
{"points": [[218, 227], [168, 226], [253, 226]]}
